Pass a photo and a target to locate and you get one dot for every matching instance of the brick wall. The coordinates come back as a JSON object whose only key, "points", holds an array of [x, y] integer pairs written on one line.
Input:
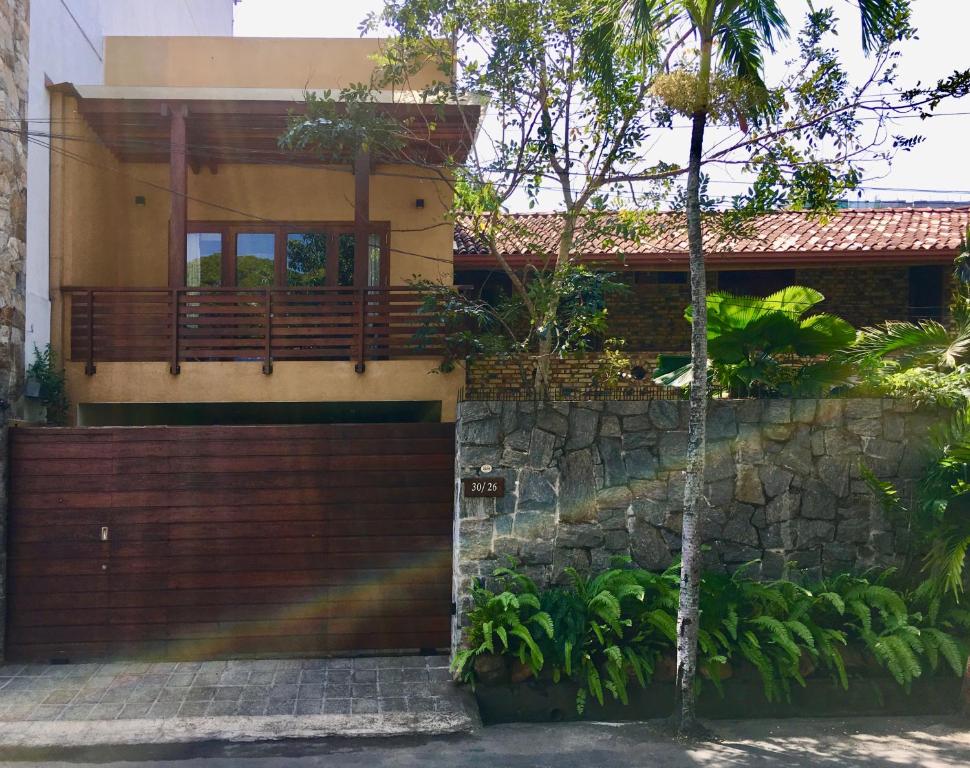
{"points": [[863, 296], [651, 316], [13, 225], [574, 373]]}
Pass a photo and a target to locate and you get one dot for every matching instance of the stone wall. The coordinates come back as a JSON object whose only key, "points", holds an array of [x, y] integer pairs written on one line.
{"points": [[14, 16], [589, 481]]}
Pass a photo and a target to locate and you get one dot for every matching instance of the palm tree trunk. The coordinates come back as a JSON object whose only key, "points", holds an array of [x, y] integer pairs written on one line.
{"points": [[694, 502]]}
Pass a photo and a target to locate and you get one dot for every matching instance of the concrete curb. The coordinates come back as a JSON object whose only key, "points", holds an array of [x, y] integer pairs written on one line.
{"points": [[100, 733]]}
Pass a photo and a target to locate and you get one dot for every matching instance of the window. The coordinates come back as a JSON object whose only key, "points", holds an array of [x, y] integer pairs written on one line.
{"points": [[755, 282], [306, 259], [255, 258], [346, 259], [926, 292], [374, 253], [660, 278], [203, 260], [295, 255]]}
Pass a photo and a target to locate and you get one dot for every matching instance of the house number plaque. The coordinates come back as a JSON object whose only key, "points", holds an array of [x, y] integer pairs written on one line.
{"points": [[483, 487]]}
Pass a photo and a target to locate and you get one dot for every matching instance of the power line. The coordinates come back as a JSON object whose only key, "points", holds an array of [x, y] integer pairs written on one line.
{"points": [[257, 157], [201, 201]]}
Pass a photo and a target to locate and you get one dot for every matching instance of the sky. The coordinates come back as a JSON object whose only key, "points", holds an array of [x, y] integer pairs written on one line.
{"points": [[939, 169]]}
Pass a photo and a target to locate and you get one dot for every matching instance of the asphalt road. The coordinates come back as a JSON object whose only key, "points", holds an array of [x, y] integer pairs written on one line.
{"points": [[863, 743]]}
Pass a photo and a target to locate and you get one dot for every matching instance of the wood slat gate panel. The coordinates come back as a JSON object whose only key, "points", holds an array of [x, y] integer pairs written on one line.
{"points": [[229, 541]]}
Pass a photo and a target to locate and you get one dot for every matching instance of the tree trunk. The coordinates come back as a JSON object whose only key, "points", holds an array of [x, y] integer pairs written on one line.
{"points": [[965, 691], [547, 323], [694, 501]]}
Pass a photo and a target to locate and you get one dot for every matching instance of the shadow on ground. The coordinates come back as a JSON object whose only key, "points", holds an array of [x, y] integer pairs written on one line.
{"points": [[859, 742]]}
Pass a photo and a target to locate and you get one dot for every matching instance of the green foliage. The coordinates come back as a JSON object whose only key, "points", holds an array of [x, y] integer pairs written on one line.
{"points": [[506, 622], [924, 361], [53, 387], [767, 345], [940, 518], [339, 126], [306, 259], [503, 327], [606, 630]]}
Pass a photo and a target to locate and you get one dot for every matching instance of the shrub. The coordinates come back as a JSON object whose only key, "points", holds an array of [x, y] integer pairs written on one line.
{"points": [[50, 379], [504, 623], [605, 630]]}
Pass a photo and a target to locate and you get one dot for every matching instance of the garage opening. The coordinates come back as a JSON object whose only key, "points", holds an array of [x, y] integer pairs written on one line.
{"points": [[211, 414]]}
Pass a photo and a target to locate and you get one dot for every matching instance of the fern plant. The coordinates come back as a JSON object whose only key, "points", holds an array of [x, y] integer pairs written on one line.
{"points": [[605, 630], [506, 622], [609, 654], [878, 617], [761, 622]]}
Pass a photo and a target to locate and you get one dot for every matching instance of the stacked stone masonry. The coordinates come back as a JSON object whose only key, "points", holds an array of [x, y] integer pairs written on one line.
{"points": [[13, 234], [587, 482]]}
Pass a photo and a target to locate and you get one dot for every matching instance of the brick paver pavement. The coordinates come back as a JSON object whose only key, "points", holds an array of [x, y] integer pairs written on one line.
{"points": [[134, 690]]}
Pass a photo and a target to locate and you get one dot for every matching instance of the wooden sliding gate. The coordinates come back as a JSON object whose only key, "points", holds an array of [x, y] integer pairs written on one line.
{"points": [[206, 542]]}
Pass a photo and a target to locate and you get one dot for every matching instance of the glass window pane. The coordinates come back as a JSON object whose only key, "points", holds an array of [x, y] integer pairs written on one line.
{"points": [[203, 260], [374, 260], [255, 252], [345, 259], [306, 259]]}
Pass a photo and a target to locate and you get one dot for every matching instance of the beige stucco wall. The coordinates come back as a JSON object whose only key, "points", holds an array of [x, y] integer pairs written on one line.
{"points": [[290, 382], [246, 62], [254, 193], [100, 237]]}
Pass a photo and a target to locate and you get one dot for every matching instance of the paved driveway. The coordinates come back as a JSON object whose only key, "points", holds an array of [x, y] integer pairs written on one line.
{"points": [[133, 690], [143, 703]]}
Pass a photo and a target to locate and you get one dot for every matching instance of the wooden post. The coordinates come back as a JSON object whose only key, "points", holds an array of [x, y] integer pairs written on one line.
{"points": [[361, 295], [174, 367], [89, 367], [178, 183], [268, 362], [361, 217]]}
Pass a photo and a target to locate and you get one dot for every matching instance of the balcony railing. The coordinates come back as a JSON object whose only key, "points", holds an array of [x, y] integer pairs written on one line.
{"points": [[259, 324]]}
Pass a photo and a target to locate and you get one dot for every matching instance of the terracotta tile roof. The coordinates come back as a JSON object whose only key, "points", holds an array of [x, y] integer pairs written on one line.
{"points": [[908, 235]]}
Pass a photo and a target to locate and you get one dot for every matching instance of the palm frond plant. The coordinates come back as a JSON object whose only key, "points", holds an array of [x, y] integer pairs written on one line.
{"points": [[767, 345], [939, 520], [924, 360]]}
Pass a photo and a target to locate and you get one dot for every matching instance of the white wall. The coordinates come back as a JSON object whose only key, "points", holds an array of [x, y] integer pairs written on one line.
{"points": [[67, 45], [168, 17]]}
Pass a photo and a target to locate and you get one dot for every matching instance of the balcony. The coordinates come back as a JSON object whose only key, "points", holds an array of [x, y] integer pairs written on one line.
{"points": [[178, 325]]}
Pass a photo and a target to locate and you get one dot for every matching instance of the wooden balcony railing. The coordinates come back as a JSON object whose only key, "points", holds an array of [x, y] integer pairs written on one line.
{"points": [[260, 324]]}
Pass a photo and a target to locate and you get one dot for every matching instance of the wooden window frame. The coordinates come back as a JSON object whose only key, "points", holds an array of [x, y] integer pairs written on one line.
{"points": [[281, 229]]}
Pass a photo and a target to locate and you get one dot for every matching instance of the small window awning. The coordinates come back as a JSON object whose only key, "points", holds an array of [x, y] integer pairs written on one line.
{"points": [[243, 125]]}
